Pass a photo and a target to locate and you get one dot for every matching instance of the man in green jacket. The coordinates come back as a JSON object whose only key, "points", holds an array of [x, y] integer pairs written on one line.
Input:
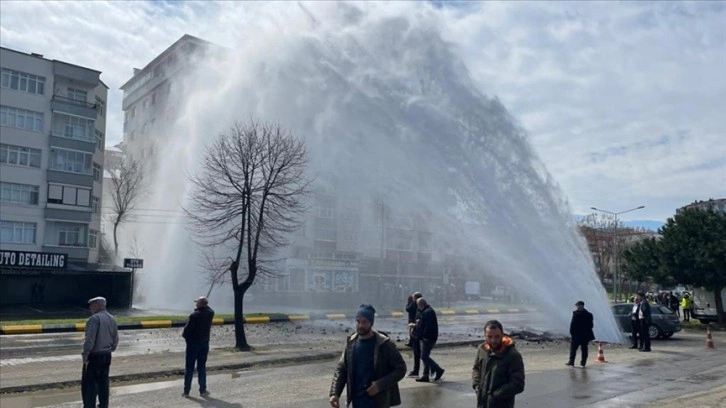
{"points": [[498, 373], [369, 368]]}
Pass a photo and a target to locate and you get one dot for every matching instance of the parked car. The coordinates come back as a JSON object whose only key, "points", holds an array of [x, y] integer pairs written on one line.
{"points": [[705, 315], [665, 321]]}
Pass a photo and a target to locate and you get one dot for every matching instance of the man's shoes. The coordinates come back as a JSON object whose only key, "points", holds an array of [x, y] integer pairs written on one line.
{"points": [[439, 374], [645, 350], [582, 365], [570, 363], [423, 379], [633, 347], [185, 394], [413, 374], [205, 393]]}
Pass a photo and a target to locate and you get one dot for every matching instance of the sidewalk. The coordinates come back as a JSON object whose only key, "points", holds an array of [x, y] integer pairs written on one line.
{"points": [[65, 371]]}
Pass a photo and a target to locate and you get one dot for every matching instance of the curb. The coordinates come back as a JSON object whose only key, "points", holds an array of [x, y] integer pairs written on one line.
{"points": [[248, 319], [179, 372]]}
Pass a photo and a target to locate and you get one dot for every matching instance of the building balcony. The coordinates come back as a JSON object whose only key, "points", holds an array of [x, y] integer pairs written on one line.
{"points": [[74, 107]]}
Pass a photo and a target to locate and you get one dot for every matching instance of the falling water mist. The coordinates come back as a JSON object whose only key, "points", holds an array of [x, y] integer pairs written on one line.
{"points": [[389, 114]]}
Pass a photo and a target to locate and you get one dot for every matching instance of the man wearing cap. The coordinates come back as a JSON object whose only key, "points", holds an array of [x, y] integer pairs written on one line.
{"points": [[581, 333], [196, 333], [369, 368], [101, 341]]}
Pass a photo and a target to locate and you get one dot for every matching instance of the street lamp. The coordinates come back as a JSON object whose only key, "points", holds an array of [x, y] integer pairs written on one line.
{"points": [[616, 255]]}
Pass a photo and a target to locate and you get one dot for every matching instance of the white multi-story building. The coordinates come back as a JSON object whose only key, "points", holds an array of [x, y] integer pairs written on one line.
{"points": [[52, 131]]}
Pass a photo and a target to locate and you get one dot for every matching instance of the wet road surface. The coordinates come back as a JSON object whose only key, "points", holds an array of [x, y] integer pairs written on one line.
{"points": [[20, 349], [678, 368]]}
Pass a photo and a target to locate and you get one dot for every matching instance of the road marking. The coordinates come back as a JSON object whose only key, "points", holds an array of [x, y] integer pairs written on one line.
{"points": [[396, 314], [448, 312], [335, 316], [23, 329], [472, 311], [257, 319], [296, 317], [513, 310], [492, 310], [149, 324], [80, 326], [218, 320]]}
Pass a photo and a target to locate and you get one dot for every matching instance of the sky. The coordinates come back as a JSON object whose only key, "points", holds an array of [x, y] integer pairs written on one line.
{"points": [[623, 101]]}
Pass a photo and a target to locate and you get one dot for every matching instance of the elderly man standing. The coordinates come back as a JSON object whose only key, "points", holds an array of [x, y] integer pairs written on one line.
{"points": [[197, 333], [101, 341]]}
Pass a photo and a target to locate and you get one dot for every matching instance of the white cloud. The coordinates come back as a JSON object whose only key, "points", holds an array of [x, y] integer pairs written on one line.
{"points": [[596, 84]]}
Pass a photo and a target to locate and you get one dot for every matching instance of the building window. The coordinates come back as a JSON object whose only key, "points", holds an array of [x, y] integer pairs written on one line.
{"points": [[16, 232], [77, 95], [19, 156], [73, 127], [68, 195], [325, 212], [100, 106], [153, 98], [21, 119], [67, 234], [97, 172], [92, 238], [71, 161], [14, 193], [99, 140], [20, 81], [96, 205]]}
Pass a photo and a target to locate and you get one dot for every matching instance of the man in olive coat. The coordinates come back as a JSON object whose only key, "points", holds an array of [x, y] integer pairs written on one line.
{"points": [[369, 368], [498, 373]]}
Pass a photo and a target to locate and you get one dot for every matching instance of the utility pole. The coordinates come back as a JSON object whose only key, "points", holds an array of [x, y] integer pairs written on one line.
{"points": [[616, 251]]}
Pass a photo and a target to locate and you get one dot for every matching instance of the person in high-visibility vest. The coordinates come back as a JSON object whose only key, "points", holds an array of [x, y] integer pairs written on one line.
{"points": [[686, 305]]}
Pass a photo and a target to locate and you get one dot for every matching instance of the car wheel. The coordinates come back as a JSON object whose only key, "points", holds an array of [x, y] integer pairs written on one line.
{"points": [[654, 331]]}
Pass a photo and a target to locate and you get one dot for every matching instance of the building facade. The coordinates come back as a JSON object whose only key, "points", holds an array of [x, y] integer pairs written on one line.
{"points": [[52, 124]]}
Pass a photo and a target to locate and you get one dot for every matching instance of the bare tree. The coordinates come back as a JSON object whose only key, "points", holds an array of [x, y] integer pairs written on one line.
{"points": [[127, 187], [248, 198]]}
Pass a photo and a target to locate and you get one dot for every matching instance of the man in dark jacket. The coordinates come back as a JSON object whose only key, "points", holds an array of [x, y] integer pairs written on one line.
{"points": [[196, 334], [369, 368], [498, 373], [427, 330], [581, 333], [413, 316], [645, 322]]}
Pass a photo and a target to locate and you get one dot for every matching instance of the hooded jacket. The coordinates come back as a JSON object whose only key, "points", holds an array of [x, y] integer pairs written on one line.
{"points": [[388, 369], [498, 375]]}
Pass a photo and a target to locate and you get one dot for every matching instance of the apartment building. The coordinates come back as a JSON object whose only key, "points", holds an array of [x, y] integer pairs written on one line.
{"points": [[153, 96], [52, 133]]}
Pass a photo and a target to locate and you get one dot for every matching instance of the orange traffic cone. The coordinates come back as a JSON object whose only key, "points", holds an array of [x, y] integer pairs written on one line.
{"points": [[709, 339], [600, 354]]}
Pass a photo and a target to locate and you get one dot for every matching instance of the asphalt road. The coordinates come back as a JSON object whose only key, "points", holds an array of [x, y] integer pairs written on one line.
{"points": [[19, 349], [675, 368]]}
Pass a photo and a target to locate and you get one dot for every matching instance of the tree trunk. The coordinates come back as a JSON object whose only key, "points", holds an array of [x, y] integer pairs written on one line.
{"points": [[115, 239], [719, 305], [239, 323]]}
